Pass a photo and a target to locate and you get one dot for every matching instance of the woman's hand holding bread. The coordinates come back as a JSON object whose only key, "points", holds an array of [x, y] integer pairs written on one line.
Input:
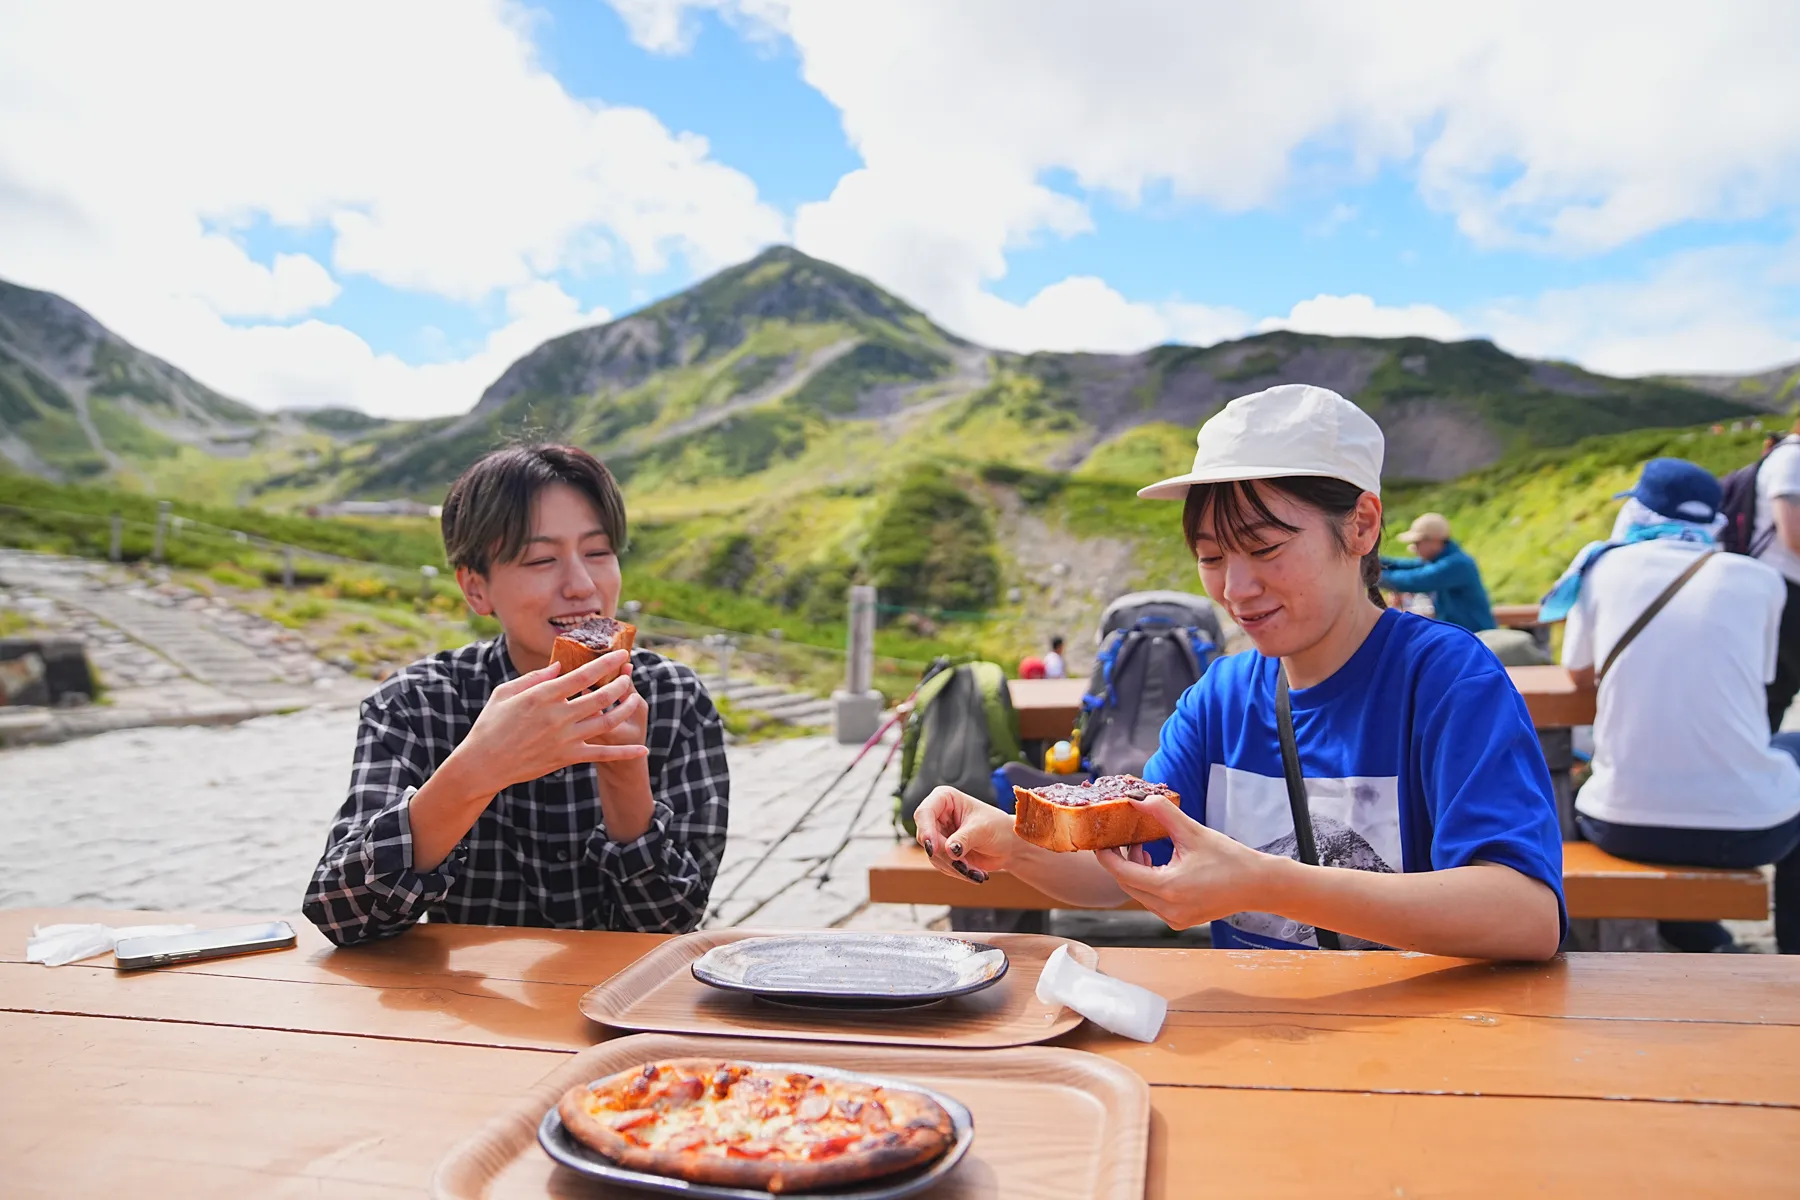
{"points": [[964, 837]]}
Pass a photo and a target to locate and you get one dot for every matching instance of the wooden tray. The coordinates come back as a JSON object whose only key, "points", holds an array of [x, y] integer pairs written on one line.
{"points": [[1049, 1122], [659, 994]]}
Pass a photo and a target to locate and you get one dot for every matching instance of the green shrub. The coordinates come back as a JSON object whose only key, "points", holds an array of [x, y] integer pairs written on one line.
{"points": [[230, 576], [356, 586], [309, 609], [932, 546], [730, 562]]}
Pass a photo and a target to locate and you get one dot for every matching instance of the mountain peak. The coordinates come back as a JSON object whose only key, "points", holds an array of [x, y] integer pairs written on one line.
{"points": [[708, 320], [782, 283]]}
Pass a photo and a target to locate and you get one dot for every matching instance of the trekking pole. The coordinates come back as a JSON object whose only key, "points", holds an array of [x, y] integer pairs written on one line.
{"points": [[801, 820], [850, 830]]}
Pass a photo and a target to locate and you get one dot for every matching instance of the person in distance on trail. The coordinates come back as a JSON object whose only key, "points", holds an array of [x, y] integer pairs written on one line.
{"points": [[1684, 771], [489, 788], [1444, 571], [1435, 823], [1055, 666]]}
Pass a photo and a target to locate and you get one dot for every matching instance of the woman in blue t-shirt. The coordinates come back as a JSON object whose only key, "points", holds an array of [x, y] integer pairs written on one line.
{"points": [[1423, 774]]}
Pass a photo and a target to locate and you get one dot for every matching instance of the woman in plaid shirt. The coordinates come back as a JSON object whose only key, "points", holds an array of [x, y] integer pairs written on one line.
{"points": [[486, 789]]}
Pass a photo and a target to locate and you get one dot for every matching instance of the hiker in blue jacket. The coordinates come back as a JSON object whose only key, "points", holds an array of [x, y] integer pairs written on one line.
{"points": [[1444, 571]]}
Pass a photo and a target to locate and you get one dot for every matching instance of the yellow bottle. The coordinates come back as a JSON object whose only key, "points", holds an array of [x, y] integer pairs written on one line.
{"points": [[1064, 758]]}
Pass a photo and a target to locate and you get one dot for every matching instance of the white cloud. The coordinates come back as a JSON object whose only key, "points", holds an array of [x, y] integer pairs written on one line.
{"points": [[422, 140], [1566, 128], [1360, 316], [1083, 313], [313, 363], [1341, 214], [1707, 310], [670, 28], [227, 279]]}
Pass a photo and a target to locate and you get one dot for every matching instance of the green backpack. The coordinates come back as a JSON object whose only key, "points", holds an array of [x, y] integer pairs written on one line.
{"points": [[962, 729]]}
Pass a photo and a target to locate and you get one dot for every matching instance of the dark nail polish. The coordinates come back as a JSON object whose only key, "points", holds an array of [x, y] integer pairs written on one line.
{"points": [[977, 874], [928, 850], [961, 867], [956, 849]]}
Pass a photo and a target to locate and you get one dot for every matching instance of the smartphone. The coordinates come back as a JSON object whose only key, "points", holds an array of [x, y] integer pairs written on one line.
{"points": [[136, 953]]}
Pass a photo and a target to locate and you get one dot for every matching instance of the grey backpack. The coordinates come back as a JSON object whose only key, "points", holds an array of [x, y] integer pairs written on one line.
{"points": [[1154, 646]]}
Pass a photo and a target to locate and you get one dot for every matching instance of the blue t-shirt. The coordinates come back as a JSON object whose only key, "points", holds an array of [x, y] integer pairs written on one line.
{"points": [[1418, 754]]}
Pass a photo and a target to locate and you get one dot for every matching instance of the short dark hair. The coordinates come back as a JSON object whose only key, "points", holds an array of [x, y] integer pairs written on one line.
{"points": [[1056, 643], [1232, 511], [487, 515]]}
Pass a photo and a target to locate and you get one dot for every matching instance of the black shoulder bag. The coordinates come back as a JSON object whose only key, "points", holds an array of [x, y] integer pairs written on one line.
{"points": [[1656, 606], [1296, 788]]}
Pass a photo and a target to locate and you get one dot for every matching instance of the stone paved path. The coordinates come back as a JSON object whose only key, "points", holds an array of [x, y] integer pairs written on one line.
{"points": [[164, 653], [233, 820]]}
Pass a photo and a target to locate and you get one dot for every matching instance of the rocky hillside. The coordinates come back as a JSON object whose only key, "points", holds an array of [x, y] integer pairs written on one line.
{"points": [[745, 372], [78, 402], [730, 376], [788, 367], [76, 399], [1777, 389]]}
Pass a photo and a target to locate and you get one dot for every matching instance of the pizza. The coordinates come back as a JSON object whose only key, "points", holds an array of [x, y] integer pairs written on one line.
{"points": [[741, 1124]]}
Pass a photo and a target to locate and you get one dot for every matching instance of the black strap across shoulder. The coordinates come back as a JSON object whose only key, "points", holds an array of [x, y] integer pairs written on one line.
{"points": [[1656, 606], [1296, 788]]}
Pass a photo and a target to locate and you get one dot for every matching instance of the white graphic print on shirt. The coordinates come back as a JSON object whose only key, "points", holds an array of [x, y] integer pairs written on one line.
{"points": [[1356, 824]]}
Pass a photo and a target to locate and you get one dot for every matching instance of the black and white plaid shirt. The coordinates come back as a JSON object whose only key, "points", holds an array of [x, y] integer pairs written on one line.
{"points": [[538, 854]]}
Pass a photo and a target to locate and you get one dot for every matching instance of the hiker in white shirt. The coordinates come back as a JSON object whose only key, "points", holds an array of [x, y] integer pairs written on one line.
{"points": [[1684, 772], [1055, 667], [1776, 541]]}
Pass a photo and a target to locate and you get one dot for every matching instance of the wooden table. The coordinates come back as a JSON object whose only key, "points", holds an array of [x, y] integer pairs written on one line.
{"points": [[1047, 708], [349, 1073], [1517, 616]]}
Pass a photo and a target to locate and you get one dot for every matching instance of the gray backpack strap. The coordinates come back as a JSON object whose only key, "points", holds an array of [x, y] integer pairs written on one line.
{"points": [[1655, 607], [1296, 789]]}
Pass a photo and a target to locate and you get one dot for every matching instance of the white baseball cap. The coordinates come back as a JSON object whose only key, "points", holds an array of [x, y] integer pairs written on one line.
{"points": [[1292, 429]]}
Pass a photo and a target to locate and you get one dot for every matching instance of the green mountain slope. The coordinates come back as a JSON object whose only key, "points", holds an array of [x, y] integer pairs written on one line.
{"points": [[1777, 389], [729, 377], [79, 403], [1525, 517], [788, 371], [783, 372]]}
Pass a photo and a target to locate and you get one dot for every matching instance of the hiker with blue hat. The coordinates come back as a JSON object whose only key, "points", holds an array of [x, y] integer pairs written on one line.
{"points": [[1681, 640], [1361, 778]]}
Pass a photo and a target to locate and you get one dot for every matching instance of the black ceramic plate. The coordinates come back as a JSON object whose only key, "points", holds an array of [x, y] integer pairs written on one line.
{"points": [[873, 968], [557, 1143]]}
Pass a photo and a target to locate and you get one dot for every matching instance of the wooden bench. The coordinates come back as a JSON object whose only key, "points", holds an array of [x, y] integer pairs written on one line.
{"points": [[1597, 886]]}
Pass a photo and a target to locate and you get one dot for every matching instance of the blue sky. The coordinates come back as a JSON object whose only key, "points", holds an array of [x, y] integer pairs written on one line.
{"points": [[478, 175]]}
